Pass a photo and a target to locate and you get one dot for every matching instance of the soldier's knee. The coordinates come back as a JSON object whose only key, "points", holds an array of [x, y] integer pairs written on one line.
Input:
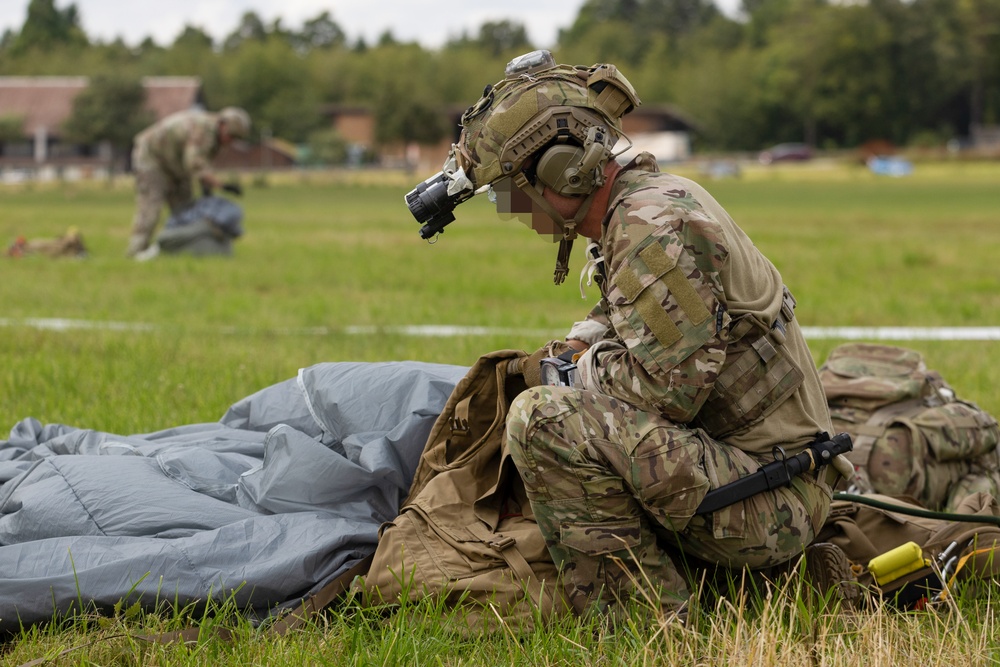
{"points": [[531, 408], [519, 421], [537, 404]]}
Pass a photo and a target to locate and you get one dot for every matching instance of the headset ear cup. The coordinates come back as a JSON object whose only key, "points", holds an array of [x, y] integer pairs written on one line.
{"points": [[559, 169]]}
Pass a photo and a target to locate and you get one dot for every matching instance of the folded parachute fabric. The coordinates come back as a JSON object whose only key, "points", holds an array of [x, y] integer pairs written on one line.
{"points": [[286, 492]]}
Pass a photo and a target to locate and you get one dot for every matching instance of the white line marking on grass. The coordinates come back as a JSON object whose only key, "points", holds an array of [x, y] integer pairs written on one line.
{"points": [[447, 331], [63, 324], [903, 333], [453, 331]]}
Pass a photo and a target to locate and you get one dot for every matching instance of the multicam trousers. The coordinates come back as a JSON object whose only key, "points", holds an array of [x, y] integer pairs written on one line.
{"points": [[614, 491], [153, 189]]}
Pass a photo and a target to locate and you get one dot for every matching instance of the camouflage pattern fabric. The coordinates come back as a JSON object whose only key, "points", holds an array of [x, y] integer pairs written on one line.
{"points": [[504, 127], [680, 277], [912, 435], [182, 144], [615, 467], [166, 157], [614, 490], [153, 189]]}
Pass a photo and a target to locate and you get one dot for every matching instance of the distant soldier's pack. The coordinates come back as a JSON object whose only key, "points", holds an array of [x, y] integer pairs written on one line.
{"points": [[912, 435], [69, 244]]}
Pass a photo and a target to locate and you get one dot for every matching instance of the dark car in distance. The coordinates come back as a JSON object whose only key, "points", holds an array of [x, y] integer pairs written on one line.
{"points": [[789, 152]]}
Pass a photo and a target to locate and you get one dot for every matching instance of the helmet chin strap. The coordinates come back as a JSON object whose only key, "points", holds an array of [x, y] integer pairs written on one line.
{"points": [[568, 226]]}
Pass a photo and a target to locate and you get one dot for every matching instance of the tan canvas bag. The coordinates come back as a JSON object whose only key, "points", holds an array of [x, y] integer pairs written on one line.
{"points": [[466, 530]]}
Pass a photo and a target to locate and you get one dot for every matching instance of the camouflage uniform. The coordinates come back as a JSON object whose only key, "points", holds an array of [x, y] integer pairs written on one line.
{"points": [[166, 157], [670, 403]]}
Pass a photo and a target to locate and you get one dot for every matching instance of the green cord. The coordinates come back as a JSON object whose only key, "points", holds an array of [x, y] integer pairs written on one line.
{"points": [[916, 511]]}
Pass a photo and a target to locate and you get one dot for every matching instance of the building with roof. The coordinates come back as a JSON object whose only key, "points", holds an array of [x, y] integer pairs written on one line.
{"points": [[42, 104], [663, 130]]}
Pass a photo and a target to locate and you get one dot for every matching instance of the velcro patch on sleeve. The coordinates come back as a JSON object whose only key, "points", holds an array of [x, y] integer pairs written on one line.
{"points": [[652, 313], [660, 263]]}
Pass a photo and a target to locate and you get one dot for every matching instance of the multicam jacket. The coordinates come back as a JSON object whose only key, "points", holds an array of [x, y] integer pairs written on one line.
{"points": [[697, 325], [182, 145]]}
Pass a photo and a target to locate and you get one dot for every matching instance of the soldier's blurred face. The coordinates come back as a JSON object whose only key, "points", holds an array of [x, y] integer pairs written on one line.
{"points": [[512, 203]]}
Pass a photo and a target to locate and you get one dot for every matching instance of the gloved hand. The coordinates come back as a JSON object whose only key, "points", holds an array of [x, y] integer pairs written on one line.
{"points": [[233, 188], [531, 366]]}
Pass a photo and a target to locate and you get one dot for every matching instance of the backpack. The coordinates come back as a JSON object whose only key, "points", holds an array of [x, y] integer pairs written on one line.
{"points": [[913, 437], [466, 531]]}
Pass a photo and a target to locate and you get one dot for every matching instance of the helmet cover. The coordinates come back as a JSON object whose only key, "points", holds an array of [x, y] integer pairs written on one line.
{"points": [[529, 111], [237, 122]]}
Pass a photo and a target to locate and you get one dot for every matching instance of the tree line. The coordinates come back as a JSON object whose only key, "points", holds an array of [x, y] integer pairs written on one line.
{"points": [[831, 73]]}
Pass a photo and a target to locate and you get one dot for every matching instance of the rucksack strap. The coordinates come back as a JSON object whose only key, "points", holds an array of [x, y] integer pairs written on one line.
{"points": [[506, 546], [311, 606], [865, 435]]}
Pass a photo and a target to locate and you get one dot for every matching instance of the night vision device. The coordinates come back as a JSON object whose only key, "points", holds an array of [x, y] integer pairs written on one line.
{"points": [[432, 202]]}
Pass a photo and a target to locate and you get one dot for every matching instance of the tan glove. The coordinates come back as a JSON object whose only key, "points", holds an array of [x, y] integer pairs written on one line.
{"points": [[531, 366]]}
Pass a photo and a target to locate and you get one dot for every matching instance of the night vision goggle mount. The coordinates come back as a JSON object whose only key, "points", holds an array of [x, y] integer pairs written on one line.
{"points": [[562, 141], [433, 201]]}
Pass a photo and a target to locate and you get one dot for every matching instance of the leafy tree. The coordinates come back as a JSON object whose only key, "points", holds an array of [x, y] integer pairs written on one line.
{"points": [[675, 18], [767, 17], [271, 82], [409, 118], [627, 29], [927, 55], [112, 109], [47, 27], [610, 42], [460, 71], [250, 29], [326, 147], [321, 32], [191, 54], [980, 21], [192, 37], [828, 71], [497, 38], [400, 83]]}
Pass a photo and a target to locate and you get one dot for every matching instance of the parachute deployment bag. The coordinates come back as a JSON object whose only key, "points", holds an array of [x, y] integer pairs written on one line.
{"points": [[466, 530]]}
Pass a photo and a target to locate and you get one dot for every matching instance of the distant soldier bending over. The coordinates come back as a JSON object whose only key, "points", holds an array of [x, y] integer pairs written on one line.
{"points": [[172, 152], [688, 375]]}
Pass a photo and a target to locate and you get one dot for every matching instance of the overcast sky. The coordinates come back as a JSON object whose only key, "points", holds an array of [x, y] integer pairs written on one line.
{"points": [[429, 22]]}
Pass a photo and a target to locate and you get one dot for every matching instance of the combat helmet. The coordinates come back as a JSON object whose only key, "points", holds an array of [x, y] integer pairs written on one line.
{"points": [[542, 125], [237, 122]]}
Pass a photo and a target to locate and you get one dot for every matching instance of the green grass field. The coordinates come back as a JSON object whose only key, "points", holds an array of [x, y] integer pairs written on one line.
{"points": [[327, 254]]}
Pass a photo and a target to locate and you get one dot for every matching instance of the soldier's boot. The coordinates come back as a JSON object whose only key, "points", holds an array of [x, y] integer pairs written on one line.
{"points": [[828, 571], [136, 244], [602, 575]]}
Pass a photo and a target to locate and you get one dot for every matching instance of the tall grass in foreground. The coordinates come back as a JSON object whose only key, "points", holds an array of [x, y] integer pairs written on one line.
{"points": [[327, 257], [782, 626]]}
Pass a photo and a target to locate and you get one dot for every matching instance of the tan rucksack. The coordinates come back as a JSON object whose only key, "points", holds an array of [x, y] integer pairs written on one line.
{"points": [[912, 435], [466, 530]]}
